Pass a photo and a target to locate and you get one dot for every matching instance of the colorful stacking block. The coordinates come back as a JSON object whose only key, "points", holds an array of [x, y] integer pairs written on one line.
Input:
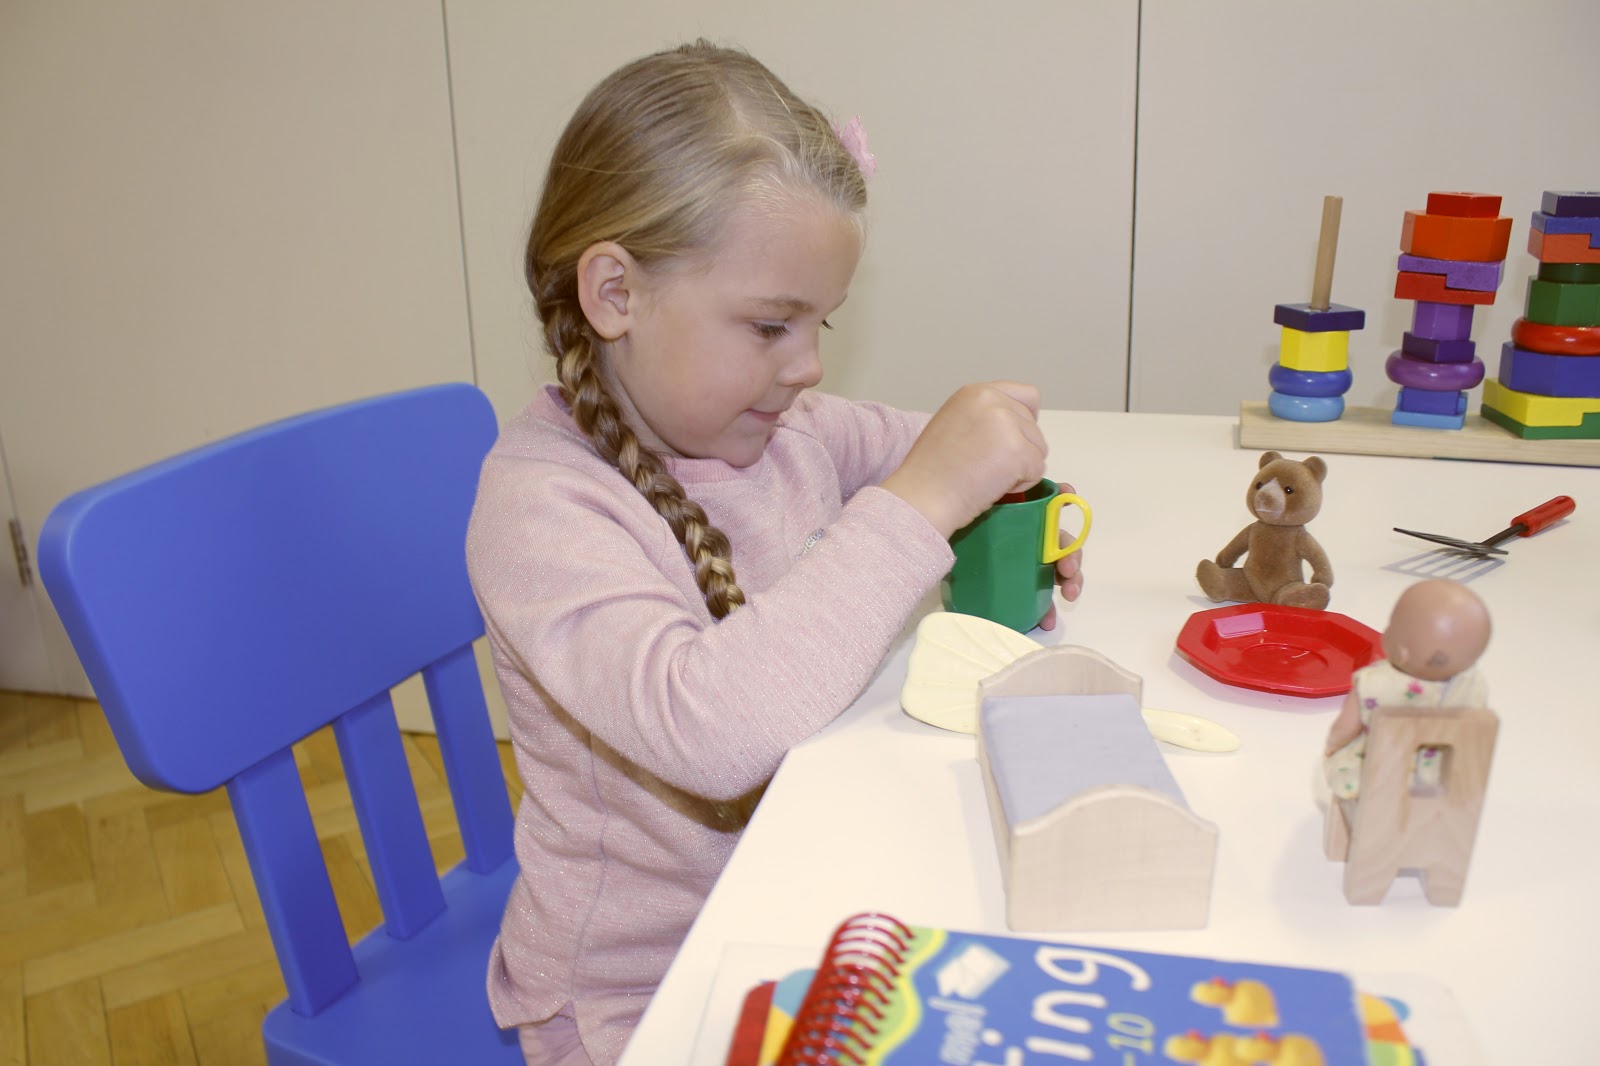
{"points": [[1589, 227], [1562, 247], [1427, 402], [1308, 319], [1453, 260], [1414, 373], [1548, 384], [1569, 272], [1434, 288], [1305, 408], [1299, 350], [1464, 204], [1424, 421], [1477, 240], [1293, 382], [1437, 351], [1442, 321], [1571, 204], [1556, 340], [1313, 369], [1560, 416], [1549, 375], [1560, 303], [1480, 277]]}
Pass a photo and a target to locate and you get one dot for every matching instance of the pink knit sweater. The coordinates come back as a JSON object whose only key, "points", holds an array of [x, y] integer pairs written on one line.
{"points": [[644, 730]]}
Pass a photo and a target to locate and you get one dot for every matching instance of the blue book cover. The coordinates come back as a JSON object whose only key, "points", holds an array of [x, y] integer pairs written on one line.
{"points": [[892, 995]]}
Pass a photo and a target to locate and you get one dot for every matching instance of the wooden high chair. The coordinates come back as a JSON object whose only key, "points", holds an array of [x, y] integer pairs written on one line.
{"points": [[1398, 824]]}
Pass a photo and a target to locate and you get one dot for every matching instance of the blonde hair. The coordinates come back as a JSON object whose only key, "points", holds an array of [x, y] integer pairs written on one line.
{"points": [[655, 158]]}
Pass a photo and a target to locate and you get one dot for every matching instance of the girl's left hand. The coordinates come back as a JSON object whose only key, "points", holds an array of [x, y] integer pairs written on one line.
{"points": [[1069, 575]]}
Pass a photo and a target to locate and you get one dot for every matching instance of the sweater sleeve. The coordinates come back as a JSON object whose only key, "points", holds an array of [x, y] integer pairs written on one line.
{"points": [[868, 441], [593, 600]]}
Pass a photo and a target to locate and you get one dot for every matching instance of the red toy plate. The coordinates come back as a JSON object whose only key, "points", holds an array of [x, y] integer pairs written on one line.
{"points": [[1293, 651]]}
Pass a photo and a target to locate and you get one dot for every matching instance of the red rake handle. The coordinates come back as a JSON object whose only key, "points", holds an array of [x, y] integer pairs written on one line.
{"points": [[1528, 523], [1546, 514]]}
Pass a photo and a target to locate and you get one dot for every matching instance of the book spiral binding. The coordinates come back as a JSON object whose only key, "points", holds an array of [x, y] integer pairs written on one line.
{"points": [[838, 1018]]}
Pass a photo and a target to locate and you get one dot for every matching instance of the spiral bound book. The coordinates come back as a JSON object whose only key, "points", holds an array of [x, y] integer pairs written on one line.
{"points": [[887, 994]]}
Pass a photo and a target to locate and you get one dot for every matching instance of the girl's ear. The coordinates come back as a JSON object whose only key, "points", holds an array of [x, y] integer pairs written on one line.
{"points": [[606, 275]]}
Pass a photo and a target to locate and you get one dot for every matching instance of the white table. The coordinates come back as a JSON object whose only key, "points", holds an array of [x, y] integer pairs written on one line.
{"points": [[879, 811]]}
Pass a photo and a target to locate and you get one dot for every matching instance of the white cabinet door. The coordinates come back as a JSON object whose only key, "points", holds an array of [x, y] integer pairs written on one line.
{"points": [[214, 216]]}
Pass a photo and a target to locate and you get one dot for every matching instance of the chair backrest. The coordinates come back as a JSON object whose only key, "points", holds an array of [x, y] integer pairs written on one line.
{"points": [[1401, 822], [230, 601]]}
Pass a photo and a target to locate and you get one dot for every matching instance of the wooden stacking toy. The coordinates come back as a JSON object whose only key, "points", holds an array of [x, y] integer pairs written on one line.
{"points": [[1313, 369], [1549, 380], [1452, 259]]}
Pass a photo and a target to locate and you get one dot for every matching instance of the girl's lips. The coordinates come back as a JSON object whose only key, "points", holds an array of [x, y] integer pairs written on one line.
{"points": [[766, 416]]}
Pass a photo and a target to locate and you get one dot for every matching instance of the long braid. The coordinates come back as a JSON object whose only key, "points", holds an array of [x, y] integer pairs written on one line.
{"points": [[597, 414], [654, 159]]}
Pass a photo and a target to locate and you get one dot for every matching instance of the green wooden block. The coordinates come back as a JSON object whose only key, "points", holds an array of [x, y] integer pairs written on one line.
{"points": [[1588, 429], [1586, 273], [1563, 303]]}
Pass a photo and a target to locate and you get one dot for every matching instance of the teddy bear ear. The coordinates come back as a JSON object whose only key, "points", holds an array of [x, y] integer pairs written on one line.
{"points": [[1268, 457], [1318, 468]]}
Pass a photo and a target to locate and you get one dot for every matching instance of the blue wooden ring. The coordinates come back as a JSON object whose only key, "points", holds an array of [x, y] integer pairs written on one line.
{"points": [[1294, 382], [1435, 377], [1305, 408]]}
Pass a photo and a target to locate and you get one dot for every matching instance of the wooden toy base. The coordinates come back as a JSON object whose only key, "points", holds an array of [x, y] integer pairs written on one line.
{"points": [[1368, 431]]}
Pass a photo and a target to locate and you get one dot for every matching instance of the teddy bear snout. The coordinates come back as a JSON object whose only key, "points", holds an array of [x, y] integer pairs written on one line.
{"points": [[1269, 501]]}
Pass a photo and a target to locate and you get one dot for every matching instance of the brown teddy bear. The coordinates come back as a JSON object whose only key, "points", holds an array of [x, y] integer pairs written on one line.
{"points": [[1284, 495]]}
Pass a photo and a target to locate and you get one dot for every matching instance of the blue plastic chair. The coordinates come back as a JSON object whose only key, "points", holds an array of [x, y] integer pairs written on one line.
{"points": [[232, 600]]}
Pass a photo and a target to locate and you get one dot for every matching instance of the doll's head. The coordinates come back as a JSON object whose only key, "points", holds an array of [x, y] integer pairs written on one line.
{"points": [[1438, 629], [660, 160]]}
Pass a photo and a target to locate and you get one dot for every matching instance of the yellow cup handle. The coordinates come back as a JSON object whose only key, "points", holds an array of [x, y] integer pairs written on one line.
{"points": [[1053, 549]]}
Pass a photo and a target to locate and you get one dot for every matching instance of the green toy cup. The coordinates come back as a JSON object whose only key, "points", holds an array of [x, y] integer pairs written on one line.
{"points": [[1006, 558]]}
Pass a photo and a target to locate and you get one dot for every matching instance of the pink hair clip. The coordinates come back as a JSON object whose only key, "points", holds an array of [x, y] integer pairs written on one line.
{"points": [[854, 139]]}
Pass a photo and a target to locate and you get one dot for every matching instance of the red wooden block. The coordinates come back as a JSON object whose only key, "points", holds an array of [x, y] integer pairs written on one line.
{"points": [[1555, 340], [1431, 287], [1476, 240], [1561, 247], [1463, 204]]}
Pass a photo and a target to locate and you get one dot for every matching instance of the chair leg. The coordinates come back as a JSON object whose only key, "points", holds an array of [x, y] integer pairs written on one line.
{"points": [[1335, 830], [1443, 883], [1365, 884]]}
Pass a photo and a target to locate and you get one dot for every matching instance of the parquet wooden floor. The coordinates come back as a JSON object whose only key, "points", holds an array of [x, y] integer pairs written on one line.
{"points": [[130, 932]]}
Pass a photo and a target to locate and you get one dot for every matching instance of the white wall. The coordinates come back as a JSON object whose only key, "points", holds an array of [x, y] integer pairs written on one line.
{"points": [[999, 241], [211, 216], [1250, 112]]}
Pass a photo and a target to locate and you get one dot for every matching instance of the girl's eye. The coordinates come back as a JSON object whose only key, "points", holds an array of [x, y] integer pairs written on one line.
{"points": [[771, 330], [826, 324]]}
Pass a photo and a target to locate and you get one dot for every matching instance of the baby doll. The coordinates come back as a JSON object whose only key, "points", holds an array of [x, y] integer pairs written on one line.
{"points": [[1436, 633]]}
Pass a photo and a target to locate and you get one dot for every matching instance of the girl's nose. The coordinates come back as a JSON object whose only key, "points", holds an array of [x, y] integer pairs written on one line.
{"points": [[804, 370]]}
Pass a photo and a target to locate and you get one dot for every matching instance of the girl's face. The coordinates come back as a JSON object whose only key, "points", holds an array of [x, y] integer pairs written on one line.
{"points": [[715, 352]]}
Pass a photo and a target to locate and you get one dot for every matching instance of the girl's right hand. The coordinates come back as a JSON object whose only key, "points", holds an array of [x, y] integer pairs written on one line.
{"points": [[983, 443]]}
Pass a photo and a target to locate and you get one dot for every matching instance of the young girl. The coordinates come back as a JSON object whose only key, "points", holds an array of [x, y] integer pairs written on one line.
{"points": [[688, 563]]}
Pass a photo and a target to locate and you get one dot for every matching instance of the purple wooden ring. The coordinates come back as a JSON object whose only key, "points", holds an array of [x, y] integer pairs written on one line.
{"points": [[1590, 227], [1442, 322], [1434, 377], [1458, 273], [1292, 382], [1438, 351], [1549, 375], [1571, 204]]}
